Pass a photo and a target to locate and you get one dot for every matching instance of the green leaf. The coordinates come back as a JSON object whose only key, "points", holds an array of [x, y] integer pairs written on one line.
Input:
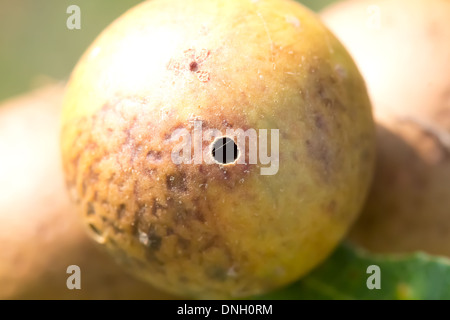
{"points": [[344, 276]]}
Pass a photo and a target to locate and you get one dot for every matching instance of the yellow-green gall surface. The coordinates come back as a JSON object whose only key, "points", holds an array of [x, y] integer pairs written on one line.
{"points": [[210, 230]]}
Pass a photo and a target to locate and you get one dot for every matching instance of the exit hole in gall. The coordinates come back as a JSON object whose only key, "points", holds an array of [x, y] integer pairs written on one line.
{"points": [[225, 150]]}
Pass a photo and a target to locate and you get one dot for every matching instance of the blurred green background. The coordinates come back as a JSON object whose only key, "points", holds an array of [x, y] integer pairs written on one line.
{"points": [[36, 47]]}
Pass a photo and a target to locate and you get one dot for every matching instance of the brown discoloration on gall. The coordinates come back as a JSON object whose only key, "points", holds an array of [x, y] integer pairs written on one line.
{"points": [[203, 76], [129, 160], [193, 66], [320, 122], [176, 182], [192, 61], [320, 153], [154, 240], [327, 102], [154, 156], [211, 223]]}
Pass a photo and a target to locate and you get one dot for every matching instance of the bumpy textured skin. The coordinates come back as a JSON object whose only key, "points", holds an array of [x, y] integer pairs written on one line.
{"points": [[40, 231], [406, 63], [210, 230]]}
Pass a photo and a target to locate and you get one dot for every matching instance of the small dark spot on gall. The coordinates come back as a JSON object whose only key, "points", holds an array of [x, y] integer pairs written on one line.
{"points": [[323, 96], [199, 215], [154, 241], [193, 66], [320, 122]]}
